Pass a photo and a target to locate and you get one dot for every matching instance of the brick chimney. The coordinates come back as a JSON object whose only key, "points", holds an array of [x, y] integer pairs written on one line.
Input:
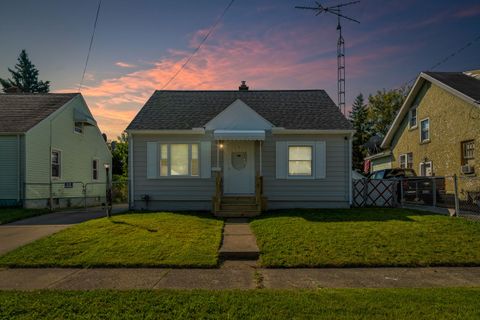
{"points": [[243, 86]]}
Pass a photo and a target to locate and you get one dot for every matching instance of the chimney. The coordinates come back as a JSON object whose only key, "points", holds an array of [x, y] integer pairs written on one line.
{"points": [[243, 86], [13, 89]]}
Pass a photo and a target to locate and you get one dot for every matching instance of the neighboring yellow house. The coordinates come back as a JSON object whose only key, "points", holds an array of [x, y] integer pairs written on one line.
{"points": [[437, 130]]}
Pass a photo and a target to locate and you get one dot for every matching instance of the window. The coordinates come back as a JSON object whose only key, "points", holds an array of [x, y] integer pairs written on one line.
{"points": [[425, 130], [56, 164], [412, 122], [406, 160], [95, 169], [468, 151], [179, 159], [300, 160], [78, 128], [426, 169]]}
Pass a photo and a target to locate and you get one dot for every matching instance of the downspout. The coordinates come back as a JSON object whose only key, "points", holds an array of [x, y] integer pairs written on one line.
{"points": [[350, 184], [131, 200], [19, 183], [50, 167]]}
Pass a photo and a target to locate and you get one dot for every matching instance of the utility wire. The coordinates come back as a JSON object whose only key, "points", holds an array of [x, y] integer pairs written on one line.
{"points": [[453, 54], [200, 45], [90, 46]]}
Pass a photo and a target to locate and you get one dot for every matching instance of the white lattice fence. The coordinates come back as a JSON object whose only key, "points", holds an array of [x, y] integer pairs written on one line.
{"points": [[374, 193]]}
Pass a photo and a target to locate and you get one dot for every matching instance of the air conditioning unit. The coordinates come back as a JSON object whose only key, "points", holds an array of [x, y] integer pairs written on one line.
{"points": [[468, 169]]}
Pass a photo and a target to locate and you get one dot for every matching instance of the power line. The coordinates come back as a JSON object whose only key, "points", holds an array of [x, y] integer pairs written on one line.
{"points": [[200, 45], [90, 46], [446, 58]]}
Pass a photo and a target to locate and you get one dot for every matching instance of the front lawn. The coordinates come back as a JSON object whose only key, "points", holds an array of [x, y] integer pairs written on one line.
{"points": [[365, 237], [128, 240], [8, 215], [261, 304]]}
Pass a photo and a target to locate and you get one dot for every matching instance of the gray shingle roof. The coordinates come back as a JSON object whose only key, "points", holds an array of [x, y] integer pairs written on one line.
{"points": [[459, 81], [291, 109], [20, 112]]}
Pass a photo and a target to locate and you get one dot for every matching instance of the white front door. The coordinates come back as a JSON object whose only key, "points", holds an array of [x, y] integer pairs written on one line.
{"points": [[239, 167]]}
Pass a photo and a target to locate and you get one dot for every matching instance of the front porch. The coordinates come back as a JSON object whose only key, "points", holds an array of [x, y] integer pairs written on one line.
{"points": [[238, 173]]}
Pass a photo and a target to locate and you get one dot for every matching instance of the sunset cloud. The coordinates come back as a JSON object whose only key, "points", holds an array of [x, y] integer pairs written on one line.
{"points": [[124, 65]]}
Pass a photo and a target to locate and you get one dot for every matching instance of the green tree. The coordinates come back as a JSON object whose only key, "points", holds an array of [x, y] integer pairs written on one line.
{"points": [[25, 77], [363, 131], [120, 156], [383, 107]]}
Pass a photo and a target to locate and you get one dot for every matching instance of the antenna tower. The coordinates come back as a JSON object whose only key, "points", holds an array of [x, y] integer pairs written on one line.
{"points": [[340, 45]]}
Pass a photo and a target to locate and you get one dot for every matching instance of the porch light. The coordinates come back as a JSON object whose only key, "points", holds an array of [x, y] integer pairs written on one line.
{"points": [[221, 145]]}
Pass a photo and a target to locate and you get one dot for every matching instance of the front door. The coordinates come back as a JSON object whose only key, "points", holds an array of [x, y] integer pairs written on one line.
{"points": [[239, 168]]}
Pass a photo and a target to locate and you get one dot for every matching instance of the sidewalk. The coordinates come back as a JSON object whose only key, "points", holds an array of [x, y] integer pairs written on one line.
{"points": [[19, 233], [238, 276]]}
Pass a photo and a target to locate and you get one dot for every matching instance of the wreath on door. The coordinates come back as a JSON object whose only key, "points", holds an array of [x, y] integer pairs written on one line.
{"points": [[239, 160]]}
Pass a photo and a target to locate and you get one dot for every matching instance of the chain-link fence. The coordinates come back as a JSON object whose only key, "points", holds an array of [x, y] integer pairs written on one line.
{"points": [[73, 194], [460, 194]]}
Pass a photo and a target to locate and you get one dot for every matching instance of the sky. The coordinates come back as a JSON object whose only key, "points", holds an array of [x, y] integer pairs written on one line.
{"points": [[139, 45]]}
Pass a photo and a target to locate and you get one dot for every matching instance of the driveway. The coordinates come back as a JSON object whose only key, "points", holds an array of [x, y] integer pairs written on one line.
{"points": [[19, 233]]}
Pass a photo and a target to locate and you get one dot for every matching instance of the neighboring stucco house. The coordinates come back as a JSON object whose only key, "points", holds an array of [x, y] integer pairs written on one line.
{"points": [[437, 130], [51, 151], [239, 151]]}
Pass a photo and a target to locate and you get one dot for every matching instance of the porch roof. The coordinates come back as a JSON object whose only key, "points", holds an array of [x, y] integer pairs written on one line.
{"points": [[239, 134]]}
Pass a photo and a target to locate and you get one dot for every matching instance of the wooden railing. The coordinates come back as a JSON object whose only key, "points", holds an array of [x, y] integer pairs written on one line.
{"points": [[217, 199], [259, 192]]}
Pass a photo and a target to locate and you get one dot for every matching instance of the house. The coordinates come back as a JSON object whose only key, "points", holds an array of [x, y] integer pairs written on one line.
{"points": [[437, 130], [239, 151], [52, 152]]}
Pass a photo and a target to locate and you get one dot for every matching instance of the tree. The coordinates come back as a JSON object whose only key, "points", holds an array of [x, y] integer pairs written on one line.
{"points": [[383, 107], [25, 77], [120, 156], [363, 131]]}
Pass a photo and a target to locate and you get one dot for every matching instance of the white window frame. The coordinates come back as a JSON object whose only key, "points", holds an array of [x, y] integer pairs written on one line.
{"points": [[405, 156], [422, 165], [429, 129], [98, 169], [302, 144], [75, 127], [410, 118], [60, 157], [169, 154]]}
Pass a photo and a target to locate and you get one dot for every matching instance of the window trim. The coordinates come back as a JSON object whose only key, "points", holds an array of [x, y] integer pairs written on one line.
{"points": [[313, 160], [59, 164], [98, 169], [75, 126], [169, 154], [420, 131], [406, 160], [415, 126], [423, 163], [465, 160]]}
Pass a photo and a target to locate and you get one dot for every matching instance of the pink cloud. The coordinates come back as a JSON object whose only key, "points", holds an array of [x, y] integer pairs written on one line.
{"points": [[124, 65], [468, 12]]}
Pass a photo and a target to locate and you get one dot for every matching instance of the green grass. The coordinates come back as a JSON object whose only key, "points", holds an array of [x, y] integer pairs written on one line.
{"points": [[128, 240], [261, 304], [365, 237], [8, 215]]}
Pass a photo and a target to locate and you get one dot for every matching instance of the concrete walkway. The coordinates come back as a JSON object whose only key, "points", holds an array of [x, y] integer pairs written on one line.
{"points": [[242, 277], [239, 242], [19, 233]]}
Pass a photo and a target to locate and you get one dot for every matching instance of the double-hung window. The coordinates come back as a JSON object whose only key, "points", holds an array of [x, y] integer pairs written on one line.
{"points": [[426, 169], [78, 127], [300, 159], [95, 169], [406, 160], [56, 159], [468, 151], [412, 121], [424, 130], [179, 159]]}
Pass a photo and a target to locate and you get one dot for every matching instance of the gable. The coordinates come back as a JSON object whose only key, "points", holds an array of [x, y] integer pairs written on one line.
{"points": [[238, 116]]}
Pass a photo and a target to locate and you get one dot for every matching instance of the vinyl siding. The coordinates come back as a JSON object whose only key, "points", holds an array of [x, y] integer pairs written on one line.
{"points": [[77, 154], [11, 169], [196, 193]]}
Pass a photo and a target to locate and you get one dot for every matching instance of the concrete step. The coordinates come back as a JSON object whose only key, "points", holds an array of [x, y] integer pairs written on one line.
{"points": [[238, 243], [236, 214]]}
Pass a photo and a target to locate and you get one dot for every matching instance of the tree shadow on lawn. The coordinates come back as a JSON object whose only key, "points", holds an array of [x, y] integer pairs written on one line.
{"points": [[347, 215], [197, 214]]}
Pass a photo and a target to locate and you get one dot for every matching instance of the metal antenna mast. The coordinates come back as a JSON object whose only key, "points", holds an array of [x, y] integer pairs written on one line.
{"points": [[340, 45]]}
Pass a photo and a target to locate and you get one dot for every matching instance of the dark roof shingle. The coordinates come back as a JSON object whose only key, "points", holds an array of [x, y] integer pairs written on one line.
{"points": [[459, 81], [20, 112], [290, 109]]}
